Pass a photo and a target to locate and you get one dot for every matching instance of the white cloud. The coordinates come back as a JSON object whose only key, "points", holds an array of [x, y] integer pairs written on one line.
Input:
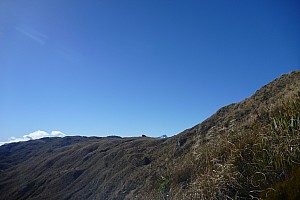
{"points": [[57, 134], [35, 135]]}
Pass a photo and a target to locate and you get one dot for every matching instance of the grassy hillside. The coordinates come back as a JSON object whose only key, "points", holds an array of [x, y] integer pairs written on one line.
{"points": [[245, 150]]}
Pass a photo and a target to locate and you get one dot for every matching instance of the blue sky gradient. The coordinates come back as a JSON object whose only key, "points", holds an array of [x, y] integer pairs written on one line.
{"points": [[132, 67]]}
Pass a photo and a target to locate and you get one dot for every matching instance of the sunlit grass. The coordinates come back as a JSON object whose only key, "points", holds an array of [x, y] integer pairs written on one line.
{"points": [[246, 163]]}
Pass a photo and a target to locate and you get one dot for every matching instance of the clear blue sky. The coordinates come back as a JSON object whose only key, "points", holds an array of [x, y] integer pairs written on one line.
{"points": [[132, 67]]}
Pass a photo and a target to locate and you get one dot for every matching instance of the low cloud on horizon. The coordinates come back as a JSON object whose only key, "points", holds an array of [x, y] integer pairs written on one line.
{"points": [[35, 135]]}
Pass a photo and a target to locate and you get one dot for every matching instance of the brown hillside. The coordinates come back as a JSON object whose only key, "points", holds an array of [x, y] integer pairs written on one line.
{"points": [[208, 161]]}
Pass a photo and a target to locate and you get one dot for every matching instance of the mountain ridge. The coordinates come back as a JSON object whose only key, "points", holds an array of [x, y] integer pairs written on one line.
{"points": [[129, 168]]}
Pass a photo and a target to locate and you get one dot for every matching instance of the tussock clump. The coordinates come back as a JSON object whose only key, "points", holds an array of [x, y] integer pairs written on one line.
{"points": [[248, 162]]}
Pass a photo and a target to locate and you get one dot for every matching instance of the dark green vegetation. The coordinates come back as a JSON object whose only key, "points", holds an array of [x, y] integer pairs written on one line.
{"points": [[246, 150]]}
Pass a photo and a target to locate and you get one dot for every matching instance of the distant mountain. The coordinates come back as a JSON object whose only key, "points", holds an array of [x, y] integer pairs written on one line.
{"points": [[163, 136], [249, 149]]}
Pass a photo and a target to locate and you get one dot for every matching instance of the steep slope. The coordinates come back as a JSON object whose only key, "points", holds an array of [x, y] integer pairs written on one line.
{"points": [[278, 91], [135, 168]]}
